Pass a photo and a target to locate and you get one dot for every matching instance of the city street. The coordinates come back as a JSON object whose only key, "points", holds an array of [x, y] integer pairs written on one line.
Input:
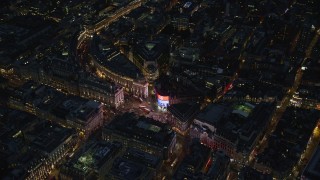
{"points": [[313, 143], [139, 89], [278, 114]]}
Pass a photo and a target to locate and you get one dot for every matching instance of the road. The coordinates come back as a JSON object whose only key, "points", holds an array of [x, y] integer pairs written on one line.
{"points": [[315, 137], [169, 166], [134, 104], [313, 143], [123, 11], [279, 112], [89, 31]]}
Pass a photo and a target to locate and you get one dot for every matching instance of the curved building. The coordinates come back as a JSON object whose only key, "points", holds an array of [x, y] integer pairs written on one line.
{"points": [[147, 55], [113, 65]]}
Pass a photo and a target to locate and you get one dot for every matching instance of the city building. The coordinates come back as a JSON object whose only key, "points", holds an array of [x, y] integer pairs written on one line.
{"points": [[32, 147], [193, 163], [232, 127], [306, 97], [181, 18], [6, 67], [58, 73], [311, 171], [125, 169], [102, 91], [113, 65], [63, 76], [153, 162], [217, 87], [147, 55], [255, 92], [52, 141], [180, 22], [150, 20], [311, 70], [289, 140], [185, 56], [201, 163], [87, 117], [47, 103], [91, 161], [219, 166], [182, 116], [160, 89], [176, 89], [250, 173], [134, 164], [141, 133]]}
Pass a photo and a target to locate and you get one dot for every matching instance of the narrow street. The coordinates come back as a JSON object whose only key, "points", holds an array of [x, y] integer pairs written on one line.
{"points": [[278, 114]]}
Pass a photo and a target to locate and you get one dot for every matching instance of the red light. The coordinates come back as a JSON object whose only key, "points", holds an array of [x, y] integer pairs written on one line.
{"points": [[228, 87], [208, 164], [163, 98]]}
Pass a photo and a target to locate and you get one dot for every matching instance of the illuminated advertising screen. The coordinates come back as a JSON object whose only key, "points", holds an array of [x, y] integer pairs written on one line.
{"points": [[163, 101], [228, 87], [163, 98]]}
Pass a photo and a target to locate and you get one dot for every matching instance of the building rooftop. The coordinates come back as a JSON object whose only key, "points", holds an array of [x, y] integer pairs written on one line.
{"points": [[125, 169], [91, 157], [238, 122], [255, 89], [309, 92], [184, 111], [112, 59], [26, 140], [311, 74], [193, 163], [177, 87], [76, 109], [142, 157], [86, 111], [213, 113], [201, 163], [219, 166], [141, 129], [98, 85], [289, 139], [312, 171], [13, 123], [48, 136], [150, 50], [250, 173], [6, 63]]}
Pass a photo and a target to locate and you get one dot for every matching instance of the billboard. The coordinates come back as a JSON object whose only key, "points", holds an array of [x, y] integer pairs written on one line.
{"points": [[162, 98], [163, 101], [228, 87]]}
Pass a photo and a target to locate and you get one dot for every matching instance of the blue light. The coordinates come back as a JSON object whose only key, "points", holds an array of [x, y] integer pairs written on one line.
{"points": [[162, 103]]}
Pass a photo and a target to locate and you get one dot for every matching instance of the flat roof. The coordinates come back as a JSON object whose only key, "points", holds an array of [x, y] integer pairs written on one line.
{"points": [[184, 111], [98, 84], [142, 129], [48, 136], [199, 155], [93, 156], [312, 171], [112, 59], [213, 113], [243, 109], [149, 127], [142, 157], [150, 50], [125, 169]]}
